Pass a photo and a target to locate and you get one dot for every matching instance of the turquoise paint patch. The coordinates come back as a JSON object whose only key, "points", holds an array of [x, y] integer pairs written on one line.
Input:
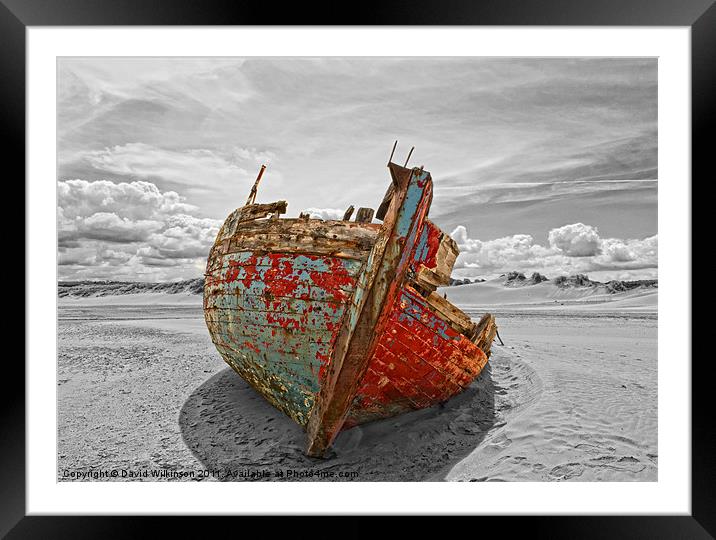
{"points": [[279, 343], [299, 262], [415, 311]]}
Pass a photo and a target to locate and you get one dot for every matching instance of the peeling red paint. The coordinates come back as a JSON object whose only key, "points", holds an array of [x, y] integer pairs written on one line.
{"points": [[433, 244], [414, 366]]}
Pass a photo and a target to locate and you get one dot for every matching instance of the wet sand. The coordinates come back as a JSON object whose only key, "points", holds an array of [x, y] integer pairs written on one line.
{"points": [[143, 395]]}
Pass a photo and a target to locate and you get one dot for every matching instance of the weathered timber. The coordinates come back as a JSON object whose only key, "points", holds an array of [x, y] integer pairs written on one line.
{"points": [[335, 230], [258, 211], [339, 238], [485, 333], [429, 279], [351, 249], [252, 195], [249, 213], [450, 312], [364, 215], [385, 203], [349, 213], [434, 257], [445, 257]]}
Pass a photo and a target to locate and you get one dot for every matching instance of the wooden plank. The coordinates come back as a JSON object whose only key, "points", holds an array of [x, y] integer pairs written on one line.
{"points": [[256, 339], [339, 230], [297, 261], [385, 203], [446, 256], [450, 313], [250, 212], [257, 211], [349, 213], [337, 238], [364, 215], [283, 288], [485, 332], [300, 245], [270, 283], [285, 304], [430, 280], [361, 234], [306, 323], [274, 275]]}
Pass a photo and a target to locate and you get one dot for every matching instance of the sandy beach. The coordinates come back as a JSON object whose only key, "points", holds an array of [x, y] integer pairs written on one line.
{"points": [[571, 395]]}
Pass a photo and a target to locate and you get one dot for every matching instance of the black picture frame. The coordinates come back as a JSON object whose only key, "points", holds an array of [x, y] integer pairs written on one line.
{"points": [[699, 15]]}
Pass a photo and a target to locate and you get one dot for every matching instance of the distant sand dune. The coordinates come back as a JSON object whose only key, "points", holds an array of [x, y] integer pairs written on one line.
{"points": [[489, 295], [546, 295]]}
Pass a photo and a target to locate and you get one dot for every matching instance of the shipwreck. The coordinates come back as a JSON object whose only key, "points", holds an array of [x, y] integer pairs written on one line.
{"points": [[338, 322]]}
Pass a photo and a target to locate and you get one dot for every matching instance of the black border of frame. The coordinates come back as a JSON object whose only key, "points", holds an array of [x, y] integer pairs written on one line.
{"points": [[700, 15]]}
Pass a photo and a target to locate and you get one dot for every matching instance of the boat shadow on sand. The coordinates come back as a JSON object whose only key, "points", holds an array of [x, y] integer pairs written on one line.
{"points": [[232, 430]]}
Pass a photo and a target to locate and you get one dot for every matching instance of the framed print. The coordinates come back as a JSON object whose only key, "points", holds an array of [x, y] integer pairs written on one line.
{"points": [[234, 309]]}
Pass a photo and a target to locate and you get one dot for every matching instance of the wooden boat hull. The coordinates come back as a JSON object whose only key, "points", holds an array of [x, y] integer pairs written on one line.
{"points": [[338, 323]]}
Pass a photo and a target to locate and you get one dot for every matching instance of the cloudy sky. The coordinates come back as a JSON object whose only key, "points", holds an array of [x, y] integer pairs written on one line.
{"points": [[545, 165]]}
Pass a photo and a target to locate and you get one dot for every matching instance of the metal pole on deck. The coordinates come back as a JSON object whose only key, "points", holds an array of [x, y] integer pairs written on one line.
{"points": [[393, 152], [408, 158]]}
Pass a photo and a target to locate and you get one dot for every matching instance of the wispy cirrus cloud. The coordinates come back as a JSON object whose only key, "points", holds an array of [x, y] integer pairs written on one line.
{"points": [[190, 167]]}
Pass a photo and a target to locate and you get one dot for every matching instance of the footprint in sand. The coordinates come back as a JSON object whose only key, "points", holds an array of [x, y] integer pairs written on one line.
{"points": [[566, 471], [498, 444]]}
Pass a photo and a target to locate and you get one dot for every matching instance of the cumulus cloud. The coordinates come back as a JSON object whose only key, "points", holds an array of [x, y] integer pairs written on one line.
{"points": [[575, 240], [134, 200], [632, 253], [109, 227], [517, 251], [617, 250], [325, 213], [129, 230], [183, 237], [92, 254], [465, 244], [573, 248]]}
